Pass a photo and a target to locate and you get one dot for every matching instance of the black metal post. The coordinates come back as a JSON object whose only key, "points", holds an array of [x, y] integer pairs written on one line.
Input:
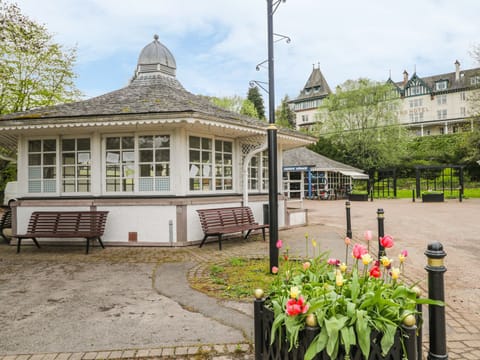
{"points": [[258, 326], [410, 333], [436, 314], [381, 232], [349, 222], [272, 146], [413, 195]]}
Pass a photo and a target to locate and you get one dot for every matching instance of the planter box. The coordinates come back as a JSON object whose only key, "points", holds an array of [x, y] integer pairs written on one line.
{"points": [[358, 197], [432, 197], [264, 350]]}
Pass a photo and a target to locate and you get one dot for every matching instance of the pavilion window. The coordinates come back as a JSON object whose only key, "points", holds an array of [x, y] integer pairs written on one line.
{"points": [[258, 172], [76, 165], [210, 164], [154, 163], [120, 164], [42, 166]]}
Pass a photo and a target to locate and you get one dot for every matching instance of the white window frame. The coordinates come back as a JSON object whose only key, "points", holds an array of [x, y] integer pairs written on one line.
{"points": [[43, 182], [205, 171], [84, 156]]}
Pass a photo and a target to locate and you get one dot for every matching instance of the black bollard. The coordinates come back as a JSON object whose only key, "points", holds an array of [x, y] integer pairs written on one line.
{"points": [[413, 195], [349, 222], [436, 313], [258, 325], [410, 335], [381, 232]]}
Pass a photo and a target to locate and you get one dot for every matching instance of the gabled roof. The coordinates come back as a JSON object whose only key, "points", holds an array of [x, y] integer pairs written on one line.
{"points": [[316, 87], [305, 157]]}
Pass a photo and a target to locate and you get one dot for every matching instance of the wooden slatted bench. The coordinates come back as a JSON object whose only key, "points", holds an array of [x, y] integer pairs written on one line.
{"points": [[221, 221], [65, 224], [6, 222]]}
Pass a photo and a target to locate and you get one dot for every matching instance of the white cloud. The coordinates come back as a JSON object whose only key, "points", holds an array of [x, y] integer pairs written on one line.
{"points": [[217, 43]]}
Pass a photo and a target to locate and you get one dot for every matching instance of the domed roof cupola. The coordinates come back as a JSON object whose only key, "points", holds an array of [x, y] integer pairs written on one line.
{"points": [[156, 58]]}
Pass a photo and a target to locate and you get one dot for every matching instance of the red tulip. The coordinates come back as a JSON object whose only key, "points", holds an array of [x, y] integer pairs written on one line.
{"points": [[375, 272], [386, 241]]}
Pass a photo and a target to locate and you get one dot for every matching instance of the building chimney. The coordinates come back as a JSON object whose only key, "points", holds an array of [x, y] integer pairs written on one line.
{"points": [[405, 77], [457, 70]]}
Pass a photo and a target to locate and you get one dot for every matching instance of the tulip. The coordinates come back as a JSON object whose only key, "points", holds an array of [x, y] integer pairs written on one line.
{"points": [[343, 267], [274, 270], [279, 244], [375, 272], [386, 241], [358, 251], [314, 243], [334, 262], [395, 272], [367, 235], [385, 261], [366, 259], [348, 241], [294, 292], [338, 278], [296, 306], [306, 265]]}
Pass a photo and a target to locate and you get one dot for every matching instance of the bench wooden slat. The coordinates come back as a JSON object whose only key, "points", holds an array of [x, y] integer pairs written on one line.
{"points": [[65, 224], [220, 221]]}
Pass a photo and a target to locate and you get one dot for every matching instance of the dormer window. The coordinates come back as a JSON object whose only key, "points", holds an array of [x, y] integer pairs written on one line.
{"points": [[441, 85], [316, 89]]}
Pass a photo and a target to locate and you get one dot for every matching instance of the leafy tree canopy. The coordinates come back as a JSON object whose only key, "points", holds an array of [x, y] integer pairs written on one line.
{"points": [[284, 115], [34, 70], [256, 98], [361, 122], [235, 104]]}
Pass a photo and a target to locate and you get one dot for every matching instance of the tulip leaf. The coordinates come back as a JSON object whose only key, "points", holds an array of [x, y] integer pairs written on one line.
{"points": [[388, 337], [363, 333], [317, 345]]}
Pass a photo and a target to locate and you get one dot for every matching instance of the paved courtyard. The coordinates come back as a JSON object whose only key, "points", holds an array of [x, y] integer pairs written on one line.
{"points": [[58, 303]]}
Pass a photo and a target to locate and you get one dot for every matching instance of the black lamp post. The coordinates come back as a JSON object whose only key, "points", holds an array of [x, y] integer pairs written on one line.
{"points": [[272, 145]]}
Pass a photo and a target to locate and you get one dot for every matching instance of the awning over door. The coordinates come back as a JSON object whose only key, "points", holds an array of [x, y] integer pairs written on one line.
{"points": [[354, 174]]}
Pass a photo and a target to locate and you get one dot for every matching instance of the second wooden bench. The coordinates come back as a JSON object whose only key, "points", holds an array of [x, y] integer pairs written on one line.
{"points": [[221, 221]]}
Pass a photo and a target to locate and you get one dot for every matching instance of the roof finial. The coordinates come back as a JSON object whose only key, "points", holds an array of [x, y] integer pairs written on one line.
{"points": [[155, 37]]}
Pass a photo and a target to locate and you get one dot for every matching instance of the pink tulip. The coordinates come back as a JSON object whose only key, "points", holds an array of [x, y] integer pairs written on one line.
{"points": [[279, 244], [348, 241], [274, 270], [334, 262], [306, 265], [367, 235], [358, 251], [404, 253]]}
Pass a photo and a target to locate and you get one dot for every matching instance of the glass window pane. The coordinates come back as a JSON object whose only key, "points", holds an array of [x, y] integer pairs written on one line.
{"points": [[227, 146], [49, 159], [194, 142], [113, 143], [49, 173], [128, 142], [50, 145], [162, 141], [83, 144], [146, 170], [68, 159], [162, 155], [69, 171], [68, 145], [206, 157], [194, 156], [206, 144], [34, 159], [35, 146], [146, 156], [218, 145], [145, 142]]}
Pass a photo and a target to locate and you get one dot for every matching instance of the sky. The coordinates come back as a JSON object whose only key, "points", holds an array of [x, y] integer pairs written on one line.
{"points": [[217, 44]]}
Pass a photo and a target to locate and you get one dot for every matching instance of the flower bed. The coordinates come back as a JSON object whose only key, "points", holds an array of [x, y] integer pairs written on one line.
{"points": [[321, 308]]}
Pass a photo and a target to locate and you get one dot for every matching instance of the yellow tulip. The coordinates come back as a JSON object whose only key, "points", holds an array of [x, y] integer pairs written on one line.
{"points": [[294, 292], [366, 259], [385, 261], [395, 273], [339, 278], [343, 267]]}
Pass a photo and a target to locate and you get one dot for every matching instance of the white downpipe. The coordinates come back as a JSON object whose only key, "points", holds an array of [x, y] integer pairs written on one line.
{"points": [[248, 158]]}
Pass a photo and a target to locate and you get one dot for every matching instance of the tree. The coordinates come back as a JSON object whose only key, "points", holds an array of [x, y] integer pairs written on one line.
{"points": [[285, 116], [360, 120], [34, 70], [256, 98], [235, 104]]}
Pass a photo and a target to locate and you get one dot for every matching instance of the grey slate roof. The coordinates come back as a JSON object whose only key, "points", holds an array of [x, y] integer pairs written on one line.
{"points": [[316, 87], [305, 157]]}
